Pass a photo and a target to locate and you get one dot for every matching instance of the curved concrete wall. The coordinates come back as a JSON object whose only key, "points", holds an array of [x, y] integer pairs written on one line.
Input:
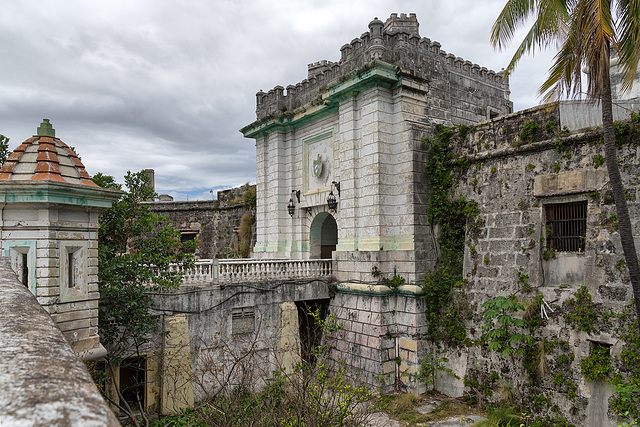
{"points": [[42, 381]]}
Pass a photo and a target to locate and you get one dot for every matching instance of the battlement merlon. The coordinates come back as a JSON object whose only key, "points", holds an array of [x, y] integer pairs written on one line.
{"points": [[396, 41], [376, 73]]}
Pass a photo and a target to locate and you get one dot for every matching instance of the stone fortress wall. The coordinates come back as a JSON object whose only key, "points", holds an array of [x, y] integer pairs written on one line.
{"points": [[585, 293], [461, 90], [214, 223]]}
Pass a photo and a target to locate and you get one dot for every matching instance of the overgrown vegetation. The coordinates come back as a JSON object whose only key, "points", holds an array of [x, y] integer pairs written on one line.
{"points": [[626, 381], [135, 249], [245, 235], [311, 393], [404, 407], [596, 366], [433, 363], [445, 308], [505, 333], [4, 149], [582, 314]]}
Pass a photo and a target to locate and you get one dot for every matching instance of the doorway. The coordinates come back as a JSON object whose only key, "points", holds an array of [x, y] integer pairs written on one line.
{"points": [[323, 236]]}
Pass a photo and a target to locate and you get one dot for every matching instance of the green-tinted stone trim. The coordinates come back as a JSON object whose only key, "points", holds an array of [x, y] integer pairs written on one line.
{"points": [[319, 137], [56, 193], [376, 73], [379, 290]]}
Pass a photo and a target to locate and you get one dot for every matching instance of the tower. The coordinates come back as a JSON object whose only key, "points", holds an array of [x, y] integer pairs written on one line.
{"points": [[49, 210]]}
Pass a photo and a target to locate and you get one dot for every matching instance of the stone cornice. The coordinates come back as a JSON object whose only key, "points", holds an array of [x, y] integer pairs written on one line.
{"points": [[376, 73], [57, 193]]}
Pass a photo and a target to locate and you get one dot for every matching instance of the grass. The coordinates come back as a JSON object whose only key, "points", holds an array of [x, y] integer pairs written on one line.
{"points": [[404, 407]]}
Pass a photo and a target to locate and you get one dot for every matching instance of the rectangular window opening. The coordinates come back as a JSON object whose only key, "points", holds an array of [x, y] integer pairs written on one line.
{"points": [[133, 381], [242, 320], [25, 270], [566, 227], [70, 270]]}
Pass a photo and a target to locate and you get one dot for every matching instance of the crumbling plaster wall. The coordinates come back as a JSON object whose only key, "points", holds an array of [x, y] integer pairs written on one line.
{"points": [[512, 180], [239, 333]]}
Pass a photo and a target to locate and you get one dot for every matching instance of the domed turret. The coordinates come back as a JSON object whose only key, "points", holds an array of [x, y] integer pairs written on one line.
{"points": [[45, 157]]}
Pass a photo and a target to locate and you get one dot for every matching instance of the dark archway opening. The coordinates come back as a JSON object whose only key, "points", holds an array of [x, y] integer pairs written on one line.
{"points": [[323, 236]]}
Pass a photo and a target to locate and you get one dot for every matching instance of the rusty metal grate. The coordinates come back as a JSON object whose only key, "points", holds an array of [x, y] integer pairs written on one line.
{"points": [[566, 226]]}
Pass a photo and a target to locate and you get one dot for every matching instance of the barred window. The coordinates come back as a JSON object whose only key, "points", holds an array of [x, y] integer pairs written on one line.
{"points": [[566, 226]]}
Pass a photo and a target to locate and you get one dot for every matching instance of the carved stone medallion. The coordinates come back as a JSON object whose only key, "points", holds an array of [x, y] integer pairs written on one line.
{"points": [[317, 167]]}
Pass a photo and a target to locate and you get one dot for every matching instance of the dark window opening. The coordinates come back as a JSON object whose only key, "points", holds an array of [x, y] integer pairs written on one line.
{"points": [[133, 381], [25, 271], [566, 226], [187, 236], [493, 114], [70, 270], [310, 329]]}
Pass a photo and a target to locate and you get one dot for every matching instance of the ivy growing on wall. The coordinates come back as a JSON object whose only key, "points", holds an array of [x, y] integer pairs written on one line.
{"points": [[446, 309]]}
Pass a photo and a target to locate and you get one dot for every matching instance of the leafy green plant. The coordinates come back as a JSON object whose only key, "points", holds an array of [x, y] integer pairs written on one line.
{"points": [[481, 385], [136, 249], [597, 366], [550, 126], [582, 314], [249, 194], [500, 417], [4, 148], [444, 310], [527, 135], [433, 363], [598, 160], [395, 282], [504, 333], [548, 253]]}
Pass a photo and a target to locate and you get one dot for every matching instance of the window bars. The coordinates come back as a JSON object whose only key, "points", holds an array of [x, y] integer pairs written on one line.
{"points": [[566, 226]]}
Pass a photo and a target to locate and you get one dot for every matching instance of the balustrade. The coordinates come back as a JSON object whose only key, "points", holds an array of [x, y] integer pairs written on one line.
{"points": [[253, 270]]}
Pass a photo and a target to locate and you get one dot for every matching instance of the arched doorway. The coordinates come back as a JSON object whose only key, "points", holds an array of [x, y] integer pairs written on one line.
{"points": [[323, 236]]}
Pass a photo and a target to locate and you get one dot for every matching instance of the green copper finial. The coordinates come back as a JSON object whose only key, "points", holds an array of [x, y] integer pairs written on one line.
{"points": [[45, 129]]}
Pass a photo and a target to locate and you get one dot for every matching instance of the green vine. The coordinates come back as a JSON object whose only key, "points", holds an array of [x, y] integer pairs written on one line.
{"points": [[584, 315], [626, 382], [597, 366], [446, 309]]}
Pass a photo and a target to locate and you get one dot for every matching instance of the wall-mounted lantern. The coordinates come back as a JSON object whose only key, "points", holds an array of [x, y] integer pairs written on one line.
{"points": [[291, 207], [332, 202]]}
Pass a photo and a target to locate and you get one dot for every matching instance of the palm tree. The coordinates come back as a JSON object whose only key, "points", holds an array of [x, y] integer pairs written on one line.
{"points": [[584, 31]]}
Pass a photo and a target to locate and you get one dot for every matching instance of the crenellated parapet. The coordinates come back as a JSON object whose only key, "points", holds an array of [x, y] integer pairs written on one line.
{"points": [[396, 41]]}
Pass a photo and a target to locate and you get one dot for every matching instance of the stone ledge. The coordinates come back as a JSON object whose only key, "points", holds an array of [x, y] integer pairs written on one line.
{"points": [[43, 380]]}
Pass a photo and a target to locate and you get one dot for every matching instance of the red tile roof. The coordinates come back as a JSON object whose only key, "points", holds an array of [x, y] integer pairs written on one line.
{"points": [[45, 158]]}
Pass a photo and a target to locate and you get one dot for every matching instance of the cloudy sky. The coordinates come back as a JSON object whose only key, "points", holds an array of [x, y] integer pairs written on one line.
{"points": [[162, 84]]}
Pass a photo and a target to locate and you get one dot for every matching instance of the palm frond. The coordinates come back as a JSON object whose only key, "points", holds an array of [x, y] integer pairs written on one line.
{"points": [[513, 16], [628, 40], [550, 18]]}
